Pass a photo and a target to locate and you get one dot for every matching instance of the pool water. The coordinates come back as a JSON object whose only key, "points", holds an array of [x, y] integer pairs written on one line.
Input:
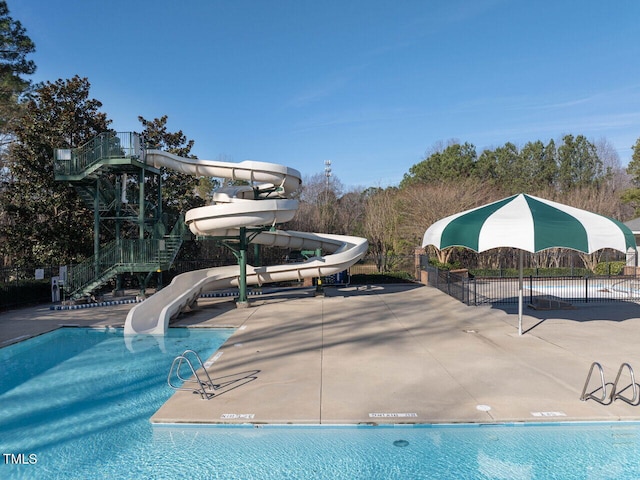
{"points": [[80, 399], [78, 402]]}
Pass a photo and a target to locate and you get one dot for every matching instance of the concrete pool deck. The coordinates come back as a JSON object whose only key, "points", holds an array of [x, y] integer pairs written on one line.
{"points": [[388, 354]]}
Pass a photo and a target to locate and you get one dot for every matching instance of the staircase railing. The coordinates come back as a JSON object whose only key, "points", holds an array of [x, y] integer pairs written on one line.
{"points": [[102, 147], [106, 194], [172, 244], [125, 255], [83, 273]]}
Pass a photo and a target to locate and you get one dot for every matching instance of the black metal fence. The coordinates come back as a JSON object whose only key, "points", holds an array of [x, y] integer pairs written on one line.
{"points": [[502, 290], [407, 265], [21, 286]]}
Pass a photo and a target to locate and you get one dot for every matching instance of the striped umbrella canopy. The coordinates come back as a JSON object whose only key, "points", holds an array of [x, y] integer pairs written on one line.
{"points": [[530, 224]]}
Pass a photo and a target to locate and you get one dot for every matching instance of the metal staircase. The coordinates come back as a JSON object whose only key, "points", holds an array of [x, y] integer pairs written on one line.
{"points": [[102, 187], [101, 171], [125, 256], [104, 151]]}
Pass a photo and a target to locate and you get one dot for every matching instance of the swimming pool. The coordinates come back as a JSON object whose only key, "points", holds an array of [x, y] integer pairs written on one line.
{"points": [[76, 403], [584, 289]]}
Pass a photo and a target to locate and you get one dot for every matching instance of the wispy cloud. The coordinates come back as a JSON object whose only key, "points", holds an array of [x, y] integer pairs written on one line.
{"points": [[621, 128], [617, 96], [440, 16], [358, 116], [317, 92], [325, 87]]}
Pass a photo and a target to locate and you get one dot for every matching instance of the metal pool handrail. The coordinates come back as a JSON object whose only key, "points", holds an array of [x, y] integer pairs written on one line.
{"points": [[603, 386], [615, 394], [633, 385], [205, 387]]}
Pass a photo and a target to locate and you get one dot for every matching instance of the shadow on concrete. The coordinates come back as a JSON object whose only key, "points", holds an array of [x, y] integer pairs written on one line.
{"points": [[613, 311], [205, 310], [372, 324], [373, 289], [210, 307], [227, 383]]}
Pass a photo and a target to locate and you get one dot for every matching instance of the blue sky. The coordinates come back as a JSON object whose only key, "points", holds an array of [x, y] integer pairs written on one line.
{"points": [[370, 85]]}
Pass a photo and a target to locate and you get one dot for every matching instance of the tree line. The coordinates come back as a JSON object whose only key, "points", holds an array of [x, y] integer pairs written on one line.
{"points": [[453, 177], [45, 222]]}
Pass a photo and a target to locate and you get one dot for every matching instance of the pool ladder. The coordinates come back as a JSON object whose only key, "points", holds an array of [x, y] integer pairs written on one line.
{"points": [[616, 393], [200, 382]]}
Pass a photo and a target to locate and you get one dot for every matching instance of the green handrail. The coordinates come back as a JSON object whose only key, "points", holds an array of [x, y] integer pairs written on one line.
{"points": [[104, 146], [125, 255]]}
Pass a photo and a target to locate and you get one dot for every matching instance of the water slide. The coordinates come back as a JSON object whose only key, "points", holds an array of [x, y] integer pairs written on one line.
{"points": [[233, 208]]}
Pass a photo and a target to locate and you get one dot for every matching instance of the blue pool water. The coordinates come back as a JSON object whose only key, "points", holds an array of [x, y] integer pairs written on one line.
{"points": [[78, 402]]}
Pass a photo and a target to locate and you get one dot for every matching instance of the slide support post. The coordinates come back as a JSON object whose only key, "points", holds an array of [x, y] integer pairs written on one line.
{"points": [[242, 263]]}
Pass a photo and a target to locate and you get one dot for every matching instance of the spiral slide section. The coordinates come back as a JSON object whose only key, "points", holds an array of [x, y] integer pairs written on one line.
{"points": [[236, 207]]}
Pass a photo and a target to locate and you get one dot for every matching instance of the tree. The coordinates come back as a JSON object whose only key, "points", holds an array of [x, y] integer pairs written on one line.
{"points": [[509, 170], [380, 224], [15, 46], [633, 168], [486, 166], [318, 210], [180, 191], [579, 164], [351, 211], [45, 221], [422, 205], [616, 176], [453, 163], [516, 171], [548, 167], [631, 196], [540, 167]]}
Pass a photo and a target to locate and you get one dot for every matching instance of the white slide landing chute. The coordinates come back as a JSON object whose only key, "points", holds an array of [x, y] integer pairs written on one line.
{"points": [[234, 208]]}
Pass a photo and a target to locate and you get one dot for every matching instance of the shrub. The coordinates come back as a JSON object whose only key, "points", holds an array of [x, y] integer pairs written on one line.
{"points": [[444, 266], [373, 278], [24, 293], [609, 268]]}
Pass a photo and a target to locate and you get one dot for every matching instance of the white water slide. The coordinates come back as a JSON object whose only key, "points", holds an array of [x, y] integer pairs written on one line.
{"points": [[236, 207]]}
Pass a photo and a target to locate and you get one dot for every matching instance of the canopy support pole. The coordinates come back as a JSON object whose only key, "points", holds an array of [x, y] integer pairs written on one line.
{"points": [[520, 294]]}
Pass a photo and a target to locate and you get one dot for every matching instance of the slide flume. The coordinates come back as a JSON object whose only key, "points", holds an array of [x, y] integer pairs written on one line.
{"points": [[236, 207]]}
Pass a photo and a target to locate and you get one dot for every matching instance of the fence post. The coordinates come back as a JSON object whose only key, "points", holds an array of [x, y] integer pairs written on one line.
{"points": [[586, 289], [531, 288], [465, 287], [475, 292]]}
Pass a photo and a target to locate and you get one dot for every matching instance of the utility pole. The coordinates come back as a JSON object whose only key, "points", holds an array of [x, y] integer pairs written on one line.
{"points": [[327, 174], [325, 207]]}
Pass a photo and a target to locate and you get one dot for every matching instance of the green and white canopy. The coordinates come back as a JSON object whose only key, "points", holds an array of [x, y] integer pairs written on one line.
{"points": [[531, 224]]}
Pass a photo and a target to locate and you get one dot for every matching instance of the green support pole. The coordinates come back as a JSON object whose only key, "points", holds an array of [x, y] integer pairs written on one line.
{"points": [[120, 186], [141, 204], [159, 206], [319, 284], [143, 283], [242, 263], [118, 198], [96, 229], [158, 220], [256, 255]]}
